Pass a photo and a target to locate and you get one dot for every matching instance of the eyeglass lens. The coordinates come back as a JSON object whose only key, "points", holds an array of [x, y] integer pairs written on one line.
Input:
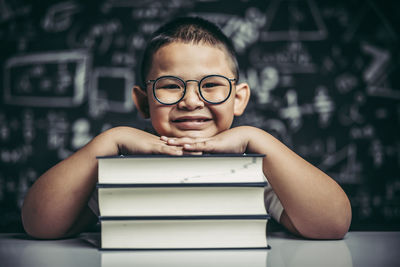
{"points": [[213, 89]]}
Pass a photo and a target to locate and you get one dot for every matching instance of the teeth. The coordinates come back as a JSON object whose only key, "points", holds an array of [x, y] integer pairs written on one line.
{"points": [[196, 120]]}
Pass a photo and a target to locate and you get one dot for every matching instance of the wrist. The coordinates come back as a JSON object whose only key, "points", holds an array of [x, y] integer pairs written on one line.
{"points": [[106, 143], [258, 140], [244, 136]]}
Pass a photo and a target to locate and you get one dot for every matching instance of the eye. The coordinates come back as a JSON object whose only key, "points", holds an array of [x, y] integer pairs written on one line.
{"points": [[169, 86], [210, 85]]}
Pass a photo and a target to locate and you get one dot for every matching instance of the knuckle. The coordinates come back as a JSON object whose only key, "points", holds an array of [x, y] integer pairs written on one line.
{"points": [[164, 149]]}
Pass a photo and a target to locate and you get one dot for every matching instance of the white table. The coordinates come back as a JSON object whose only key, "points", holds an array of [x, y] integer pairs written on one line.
{"points": [[380, 249]]}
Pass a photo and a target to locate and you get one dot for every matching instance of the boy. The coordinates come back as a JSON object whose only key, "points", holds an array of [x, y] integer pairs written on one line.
{"points": [[191, 93]]}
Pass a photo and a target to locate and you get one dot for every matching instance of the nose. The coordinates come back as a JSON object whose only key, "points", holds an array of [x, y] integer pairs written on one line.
{"points": [[192, 99]]}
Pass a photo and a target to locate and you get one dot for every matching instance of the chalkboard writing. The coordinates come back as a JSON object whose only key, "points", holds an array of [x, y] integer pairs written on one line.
{"points": [[325, 80], [46, 79]]}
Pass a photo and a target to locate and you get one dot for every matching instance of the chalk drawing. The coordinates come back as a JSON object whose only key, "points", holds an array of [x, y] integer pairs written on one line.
{"points": [[117, 82], [293, 57], [346, 160], [378, 64], [11, 11], [323, 105], [80, 133], [244, 32], [59, 17], [361, 21], [300, 14], [293, 111], [32, 88]]}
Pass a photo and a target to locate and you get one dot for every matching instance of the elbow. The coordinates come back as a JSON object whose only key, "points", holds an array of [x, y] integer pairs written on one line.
{"points": [[38, 227], [343, 225], [336, 231], [31, 227], [41, 231], [33, 232], [332, 226], [330, 231], [339, 224], [343, 220]]}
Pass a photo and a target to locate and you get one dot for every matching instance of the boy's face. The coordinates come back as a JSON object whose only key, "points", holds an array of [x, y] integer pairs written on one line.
{"points": [[191, 117]]}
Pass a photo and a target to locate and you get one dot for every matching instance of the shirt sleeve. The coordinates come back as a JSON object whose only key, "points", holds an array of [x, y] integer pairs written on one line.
{"points": [[94, 203], [272, 203]]}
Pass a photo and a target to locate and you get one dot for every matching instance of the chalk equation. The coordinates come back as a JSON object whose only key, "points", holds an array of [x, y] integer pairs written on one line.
{"points": [[111, 90], [53, 79]]}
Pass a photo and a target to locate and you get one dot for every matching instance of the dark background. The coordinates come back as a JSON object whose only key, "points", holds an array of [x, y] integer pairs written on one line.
{"points": [[324, 78]]}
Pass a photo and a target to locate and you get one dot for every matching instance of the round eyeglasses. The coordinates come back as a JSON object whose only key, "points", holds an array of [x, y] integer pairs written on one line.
{"points": [[213, 89]]}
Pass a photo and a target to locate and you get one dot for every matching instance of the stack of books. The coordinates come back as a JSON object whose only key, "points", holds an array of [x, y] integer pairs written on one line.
{"points": [[182, 202]]}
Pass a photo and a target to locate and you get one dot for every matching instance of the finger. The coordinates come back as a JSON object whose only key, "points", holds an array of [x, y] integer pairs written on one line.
{"points": [[189, 140], [183, 140], [170, 141], [164, 138], [204, 146], [168, 150]]}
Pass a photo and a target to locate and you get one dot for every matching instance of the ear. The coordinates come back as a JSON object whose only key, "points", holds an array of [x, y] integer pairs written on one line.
{"points": [[139, 97], [242, 97]]}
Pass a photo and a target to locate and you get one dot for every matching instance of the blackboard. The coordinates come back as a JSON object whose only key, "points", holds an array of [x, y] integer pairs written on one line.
{"points": [[324, 78]]}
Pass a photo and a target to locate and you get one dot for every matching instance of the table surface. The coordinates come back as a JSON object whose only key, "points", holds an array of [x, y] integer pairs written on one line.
{"points": [[356, 249]]}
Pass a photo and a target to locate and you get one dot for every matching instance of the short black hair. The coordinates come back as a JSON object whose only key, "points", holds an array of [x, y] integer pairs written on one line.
{"points": [[188, 30]]}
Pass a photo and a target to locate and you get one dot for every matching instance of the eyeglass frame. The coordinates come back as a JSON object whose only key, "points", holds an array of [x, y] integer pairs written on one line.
{"points": [[230, 80]]}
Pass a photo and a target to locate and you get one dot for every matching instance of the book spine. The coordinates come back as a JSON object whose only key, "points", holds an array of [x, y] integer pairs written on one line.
{"points": [[188, 249], [107, 185], [196, 217], [228, 155]]}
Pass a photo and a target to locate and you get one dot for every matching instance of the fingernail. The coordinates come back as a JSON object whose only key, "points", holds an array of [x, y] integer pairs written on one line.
{"points": [[187, 146]]}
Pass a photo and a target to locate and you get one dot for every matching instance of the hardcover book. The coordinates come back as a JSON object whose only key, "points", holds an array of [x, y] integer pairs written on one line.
{"points": [[210, 168], [184, 232], [181, 199], [182, 202]]}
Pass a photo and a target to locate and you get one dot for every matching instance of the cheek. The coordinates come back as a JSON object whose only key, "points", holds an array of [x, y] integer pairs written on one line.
{"points": [[224, 117], [157, 111], [160, 118]]}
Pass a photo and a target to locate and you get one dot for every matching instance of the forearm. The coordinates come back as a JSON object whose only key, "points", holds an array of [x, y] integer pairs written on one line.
{"points": [[315, 203], [55, 201], [315, 206]]}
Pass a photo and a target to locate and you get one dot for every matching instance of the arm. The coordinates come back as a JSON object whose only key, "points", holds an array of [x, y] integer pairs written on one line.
{"points": [[315, 205], [56, 205]]}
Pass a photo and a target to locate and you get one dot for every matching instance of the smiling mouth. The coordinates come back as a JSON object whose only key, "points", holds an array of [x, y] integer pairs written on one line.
{"points": [[191, 120]]}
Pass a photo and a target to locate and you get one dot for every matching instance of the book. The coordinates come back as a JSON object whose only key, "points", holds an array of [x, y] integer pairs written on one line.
{"points": [[181, 199], [182, 202], [184, 232], [187, 258], [209, 168]]}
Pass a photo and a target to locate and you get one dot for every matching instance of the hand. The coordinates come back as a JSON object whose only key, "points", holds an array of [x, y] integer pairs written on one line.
{"points": [[234, 140], [133, 141]]}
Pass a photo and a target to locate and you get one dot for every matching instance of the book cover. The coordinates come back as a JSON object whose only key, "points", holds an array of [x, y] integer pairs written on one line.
{"points": [[181, 199], [210, 168], [184, 232]]}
